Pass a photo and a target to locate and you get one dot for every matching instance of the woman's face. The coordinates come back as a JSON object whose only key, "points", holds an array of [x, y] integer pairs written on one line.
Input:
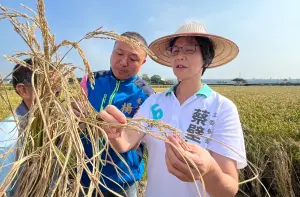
{"points": [[186, 58]]}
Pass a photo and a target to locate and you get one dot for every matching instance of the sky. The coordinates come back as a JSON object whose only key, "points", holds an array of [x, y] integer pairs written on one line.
{"points": [[266, 31]]}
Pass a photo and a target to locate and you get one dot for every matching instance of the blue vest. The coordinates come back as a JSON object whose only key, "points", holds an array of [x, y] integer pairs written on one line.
{"points": [[127, 96]]}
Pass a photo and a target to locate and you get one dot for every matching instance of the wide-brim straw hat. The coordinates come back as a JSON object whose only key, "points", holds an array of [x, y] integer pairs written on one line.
{"points": [[225, 49]]}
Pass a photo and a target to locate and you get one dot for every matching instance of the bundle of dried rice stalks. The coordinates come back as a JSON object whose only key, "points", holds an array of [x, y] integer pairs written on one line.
{"points": [[50, 154]]}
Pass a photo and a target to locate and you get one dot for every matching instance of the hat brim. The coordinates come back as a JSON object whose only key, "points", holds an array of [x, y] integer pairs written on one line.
{"points": [[225, 49]]}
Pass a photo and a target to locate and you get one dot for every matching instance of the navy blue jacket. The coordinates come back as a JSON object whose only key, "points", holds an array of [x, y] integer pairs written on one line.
{"points": [[127, 96]]}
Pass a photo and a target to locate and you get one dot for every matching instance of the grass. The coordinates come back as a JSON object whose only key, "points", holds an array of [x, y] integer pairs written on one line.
{"points": [[4, 108]]}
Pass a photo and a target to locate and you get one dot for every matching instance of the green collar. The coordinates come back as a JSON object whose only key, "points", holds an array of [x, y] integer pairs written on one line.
{"points": [[205, 90]]}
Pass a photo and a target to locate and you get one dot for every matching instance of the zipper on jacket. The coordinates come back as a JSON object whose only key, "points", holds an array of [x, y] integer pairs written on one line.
{"points": [[114, 92], [103, 101]]}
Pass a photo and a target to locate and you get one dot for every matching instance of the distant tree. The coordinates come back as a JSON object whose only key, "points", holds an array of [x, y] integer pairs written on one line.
{"points": [[239, 81], [146, 78], [163, 82], [156, 79]]}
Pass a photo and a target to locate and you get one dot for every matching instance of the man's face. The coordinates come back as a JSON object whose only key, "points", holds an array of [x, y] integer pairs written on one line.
{"points": [[126, 61]]}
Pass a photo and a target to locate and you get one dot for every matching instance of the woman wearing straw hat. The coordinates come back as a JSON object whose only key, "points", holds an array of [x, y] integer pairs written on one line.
{"points": [[209, 120]]}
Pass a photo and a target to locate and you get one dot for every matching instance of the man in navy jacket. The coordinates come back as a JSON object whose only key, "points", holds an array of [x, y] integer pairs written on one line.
{"points": [[122, 87]]}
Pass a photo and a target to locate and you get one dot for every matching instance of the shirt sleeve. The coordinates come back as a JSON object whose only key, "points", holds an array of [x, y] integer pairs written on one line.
{"points": [[8, 132], [83, 84], [228, 131], [8, 139]]}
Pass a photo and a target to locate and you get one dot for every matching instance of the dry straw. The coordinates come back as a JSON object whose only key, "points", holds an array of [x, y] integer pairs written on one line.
{"points": [[50, 154]]}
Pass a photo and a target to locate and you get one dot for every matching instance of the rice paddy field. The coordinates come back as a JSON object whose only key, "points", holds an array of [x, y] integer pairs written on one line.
{"points": [[271, 120]]}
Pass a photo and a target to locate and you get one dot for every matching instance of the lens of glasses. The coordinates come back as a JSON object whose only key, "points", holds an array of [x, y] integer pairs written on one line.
{"points": [[187, 49], [173, 51]]}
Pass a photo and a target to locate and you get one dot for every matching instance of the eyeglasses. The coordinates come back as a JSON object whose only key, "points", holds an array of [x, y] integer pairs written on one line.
{"points": [[187, 49]]}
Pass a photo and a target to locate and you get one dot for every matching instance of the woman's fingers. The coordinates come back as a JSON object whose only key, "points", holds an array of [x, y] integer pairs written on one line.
{"points": [[179, 168], [181, 176]]}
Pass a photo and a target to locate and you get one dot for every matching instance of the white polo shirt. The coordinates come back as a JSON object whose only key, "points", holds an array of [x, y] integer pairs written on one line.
{"points": [[206, 113]]}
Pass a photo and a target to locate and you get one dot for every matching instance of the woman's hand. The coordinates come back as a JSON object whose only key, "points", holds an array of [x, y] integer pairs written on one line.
{"points": [[182, 168]]}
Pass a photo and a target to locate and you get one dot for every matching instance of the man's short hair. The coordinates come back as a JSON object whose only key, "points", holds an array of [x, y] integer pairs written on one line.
{"points": [[136, 36], [22, 74]]}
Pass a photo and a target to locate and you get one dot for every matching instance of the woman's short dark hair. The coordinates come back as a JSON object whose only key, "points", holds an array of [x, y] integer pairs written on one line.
{"points": [[207, 48]]}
